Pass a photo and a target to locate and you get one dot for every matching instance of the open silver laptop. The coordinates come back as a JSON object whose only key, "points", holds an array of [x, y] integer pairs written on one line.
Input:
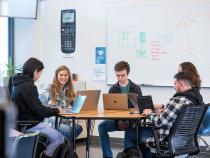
{"points": [[77, 106], [115, 101], [92, 98], [132, 100]]}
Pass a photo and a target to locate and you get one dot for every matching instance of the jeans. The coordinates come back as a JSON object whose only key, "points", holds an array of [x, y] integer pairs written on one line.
{"points": [[54, 136], [67, 130], [109, 126], [143, 134]]}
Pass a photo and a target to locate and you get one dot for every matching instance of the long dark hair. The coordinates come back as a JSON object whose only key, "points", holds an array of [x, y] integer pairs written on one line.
{"points": [[188, 66]]}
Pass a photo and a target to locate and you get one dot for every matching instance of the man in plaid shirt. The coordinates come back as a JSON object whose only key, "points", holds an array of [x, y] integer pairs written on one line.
{"points": [[185, 94]]}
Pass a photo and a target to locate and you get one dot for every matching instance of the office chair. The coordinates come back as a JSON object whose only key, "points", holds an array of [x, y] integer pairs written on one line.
{"points": [[182, 137], [204, 130], [25, 145]]}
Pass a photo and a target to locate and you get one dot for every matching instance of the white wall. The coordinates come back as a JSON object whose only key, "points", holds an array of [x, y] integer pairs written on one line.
{"points": [[41, 38]]}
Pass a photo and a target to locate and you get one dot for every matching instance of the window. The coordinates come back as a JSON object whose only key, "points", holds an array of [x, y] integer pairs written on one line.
{"points": [[4, 34]]}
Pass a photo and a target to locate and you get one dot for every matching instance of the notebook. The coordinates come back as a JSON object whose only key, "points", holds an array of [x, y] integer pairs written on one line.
{"points": [[115, 101], [76, 106], [92, 98], [145, 102]]}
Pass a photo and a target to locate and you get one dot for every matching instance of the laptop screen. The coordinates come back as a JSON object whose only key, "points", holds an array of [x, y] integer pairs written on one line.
{"points": [[92, 98], [78, 103], [132, 100], [145, 102]]}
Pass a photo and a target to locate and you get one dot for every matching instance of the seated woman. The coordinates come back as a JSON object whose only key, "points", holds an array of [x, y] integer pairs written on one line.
{"points": [[61, 94], [30, 108]]}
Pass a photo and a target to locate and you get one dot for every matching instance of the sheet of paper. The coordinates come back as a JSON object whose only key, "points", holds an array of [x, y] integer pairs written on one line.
{"points": [[99, 74]]}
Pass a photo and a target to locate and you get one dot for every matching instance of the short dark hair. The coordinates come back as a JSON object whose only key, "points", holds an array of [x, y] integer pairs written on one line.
{"points": [[31, 65], [184, 75], [122, 65]]}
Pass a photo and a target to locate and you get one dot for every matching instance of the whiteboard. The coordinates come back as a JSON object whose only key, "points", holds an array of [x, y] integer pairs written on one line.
{"points": [[155, 39]]}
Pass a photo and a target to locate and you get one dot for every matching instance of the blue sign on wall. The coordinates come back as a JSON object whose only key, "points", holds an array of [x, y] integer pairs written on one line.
{"points": [[100, 55]]}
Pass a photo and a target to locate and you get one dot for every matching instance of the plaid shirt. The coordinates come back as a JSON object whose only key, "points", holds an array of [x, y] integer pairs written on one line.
{"points": [[166, 119]]}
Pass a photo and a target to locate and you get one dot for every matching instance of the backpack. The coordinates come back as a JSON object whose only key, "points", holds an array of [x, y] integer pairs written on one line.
{"points": [[64, 150], [131, 153]]}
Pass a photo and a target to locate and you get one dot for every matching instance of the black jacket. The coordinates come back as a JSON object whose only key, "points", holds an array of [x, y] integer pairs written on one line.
{"points": [[26, 98], [193, 95], [134, 88], [165, 121]]}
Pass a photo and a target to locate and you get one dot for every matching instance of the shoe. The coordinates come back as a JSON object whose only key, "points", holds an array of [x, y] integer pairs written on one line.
{"points": [[43, 155], [122, 155]]}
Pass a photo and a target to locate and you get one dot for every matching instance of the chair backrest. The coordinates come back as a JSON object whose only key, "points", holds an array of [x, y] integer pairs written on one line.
{"points": [[204, 129], [7, 119], [2, 133], [183, 134], [3, 102], [25, 145]]}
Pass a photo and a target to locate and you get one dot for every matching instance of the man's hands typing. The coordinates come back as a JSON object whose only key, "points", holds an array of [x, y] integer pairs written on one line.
{"points": [[146, 112], [159, 108]]}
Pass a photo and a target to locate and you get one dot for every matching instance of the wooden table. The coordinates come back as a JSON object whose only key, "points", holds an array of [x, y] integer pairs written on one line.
{"points": [[100, 115]]}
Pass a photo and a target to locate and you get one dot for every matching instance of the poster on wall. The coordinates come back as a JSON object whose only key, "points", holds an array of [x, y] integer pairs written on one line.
{"points": [[100, 55], [99, 74]]}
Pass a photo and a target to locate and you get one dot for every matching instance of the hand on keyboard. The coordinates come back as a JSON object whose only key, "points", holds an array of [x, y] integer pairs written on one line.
{"points": [[61, 110]]}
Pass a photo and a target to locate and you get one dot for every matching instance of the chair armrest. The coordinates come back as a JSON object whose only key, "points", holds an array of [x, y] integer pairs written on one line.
{"points": [[27, 122], [150, 125], [155, 134], [43, 138], [22, 125]]}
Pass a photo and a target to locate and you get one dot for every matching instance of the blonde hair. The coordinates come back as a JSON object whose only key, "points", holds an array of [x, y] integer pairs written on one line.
{"points": [[56, 87]]}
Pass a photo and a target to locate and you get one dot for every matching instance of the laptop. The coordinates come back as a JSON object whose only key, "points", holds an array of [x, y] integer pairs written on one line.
{"points": [[91, 101], [132, 100], [145, 102], [76, 106], [115, 101]]}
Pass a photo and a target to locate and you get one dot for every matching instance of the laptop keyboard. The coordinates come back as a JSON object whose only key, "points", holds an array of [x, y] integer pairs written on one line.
{"points": [[68, 110]]}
